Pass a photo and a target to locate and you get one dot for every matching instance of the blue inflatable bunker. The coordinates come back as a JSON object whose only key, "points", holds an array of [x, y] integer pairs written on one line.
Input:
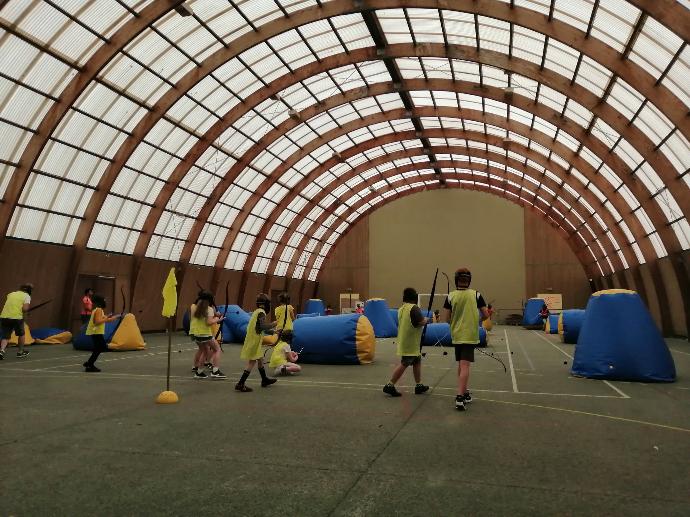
{"points": [[378, 313], [83, 342], [619, 340], [235, 324], [553, 323], [571, 323], [394, 315], [312, 315], [530, 316], [342, 339], [315, 305], [439, 334]]}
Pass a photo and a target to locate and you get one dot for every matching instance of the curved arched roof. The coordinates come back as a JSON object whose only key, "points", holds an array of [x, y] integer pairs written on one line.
{"points": [[253, 134]]}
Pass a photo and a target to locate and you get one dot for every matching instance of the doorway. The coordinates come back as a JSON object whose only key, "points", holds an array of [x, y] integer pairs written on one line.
{"points": [[101, 284]]}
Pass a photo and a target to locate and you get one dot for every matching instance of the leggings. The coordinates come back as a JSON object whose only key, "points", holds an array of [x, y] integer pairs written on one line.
{"points": [[98, 347]]}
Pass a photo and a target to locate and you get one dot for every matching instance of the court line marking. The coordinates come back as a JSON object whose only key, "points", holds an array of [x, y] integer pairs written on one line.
{"points": [[614, 388], [524, 351], [344, 385], [684, 353], [510, 361]]}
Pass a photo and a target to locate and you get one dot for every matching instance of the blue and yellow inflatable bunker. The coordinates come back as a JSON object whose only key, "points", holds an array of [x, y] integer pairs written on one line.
{"points": [[312, 315], [234, 326], [119, 335], [569, 324], [341, 339], [530, 316], [51, 336], [42, 336], [620, 341], [378, 313], [315, 305], [439, 334], [552, 324]]}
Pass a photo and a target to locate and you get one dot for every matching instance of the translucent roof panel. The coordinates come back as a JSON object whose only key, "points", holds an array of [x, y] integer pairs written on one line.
{"points": [[116, 140]]}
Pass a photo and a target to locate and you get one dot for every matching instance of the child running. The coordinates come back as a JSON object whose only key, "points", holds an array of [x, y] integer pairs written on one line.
{"points": [[12, 319], [283, 359], [96, 329], [251, 350], [461, 311], [202, 318], [410, 325]]}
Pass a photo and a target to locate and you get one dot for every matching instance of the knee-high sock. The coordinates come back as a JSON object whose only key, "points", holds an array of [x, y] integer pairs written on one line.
{"points": [[245, 374]]}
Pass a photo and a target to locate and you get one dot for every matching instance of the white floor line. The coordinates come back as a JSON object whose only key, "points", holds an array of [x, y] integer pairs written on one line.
{"points": [[510, 361], [324, 384], [524, 351], [614, 388], [678, 351]]}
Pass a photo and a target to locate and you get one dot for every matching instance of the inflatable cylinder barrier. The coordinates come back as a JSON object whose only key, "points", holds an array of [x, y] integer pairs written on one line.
{"points": [[552, 324], [571, 322], [438, 334], [394, 315], [341, 339], [315, 305], [378, 313], [312, 315], [235, 324], [530, 316], [619, 340]]}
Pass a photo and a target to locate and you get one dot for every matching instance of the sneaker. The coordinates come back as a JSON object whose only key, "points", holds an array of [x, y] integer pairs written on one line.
{"points": [[200, 375], [218, 375], [242, 388], [195, 369], [22, 355], [91, 368], [420, 388], [467, 397], [390, 389], [2, 355], [460, 402], [267, 382]]}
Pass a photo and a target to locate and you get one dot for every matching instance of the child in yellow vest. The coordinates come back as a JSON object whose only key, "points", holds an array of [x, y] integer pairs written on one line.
{"points": [[12, 318], [283, 359], [410, 325], [257, 328], [283, 322], [96, 329], [461, 311], [202, 318]]}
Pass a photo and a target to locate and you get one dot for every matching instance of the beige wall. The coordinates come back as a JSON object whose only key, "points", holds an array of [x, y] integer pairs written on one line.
{"points": [[448, 229]]}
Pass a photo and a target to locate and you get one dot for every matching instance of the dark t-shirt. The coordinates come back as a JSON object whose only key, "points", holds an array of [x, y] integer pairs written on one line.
{"points": [[416, 316], [480, 302]]}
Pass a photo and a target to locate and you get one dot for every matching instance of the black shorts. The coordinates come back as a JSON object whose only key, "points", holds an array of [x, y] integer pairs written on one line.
{"points": [[410, 360], [10, 325], [464, 352]]}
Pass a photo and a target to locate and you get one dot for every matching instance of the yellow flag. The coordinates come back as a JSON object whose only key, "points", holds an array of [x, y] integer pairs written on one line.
{"points": [[170, 294]]}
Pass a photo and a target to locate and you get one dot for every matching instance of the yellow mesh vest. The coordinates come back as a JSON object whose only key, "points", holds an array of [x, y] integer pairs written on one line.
{"points": [[252, 341], [92, 328], [198, 326], [408, 336], [278, 355], [464, 319], [280, 317], [13, 306]]}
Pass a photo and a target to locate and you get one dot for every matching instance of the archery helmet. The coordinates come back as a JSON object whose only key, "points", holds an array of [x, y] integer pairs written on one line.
{"points": [[27, 288], [463, 277]]}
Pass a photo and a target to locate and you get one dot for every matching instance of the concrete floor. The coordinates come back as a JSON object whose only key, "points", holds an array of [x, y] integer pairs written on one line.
{"points": [[534, 442]]}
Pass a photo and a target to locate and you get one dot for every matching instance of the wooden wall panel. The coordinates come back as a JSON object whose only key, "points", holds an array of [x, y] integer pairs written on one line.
{"points": [[652, 299], [44, 266], [551, 266], [255, 285], [676, 307], [347, 266]]}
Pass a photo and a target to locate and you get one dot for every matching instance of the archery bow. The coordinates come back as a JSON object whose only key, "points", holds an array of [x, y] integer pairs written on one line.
{"points": [[492, 356], [39, 305], [431, 302], [225, 311]]}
